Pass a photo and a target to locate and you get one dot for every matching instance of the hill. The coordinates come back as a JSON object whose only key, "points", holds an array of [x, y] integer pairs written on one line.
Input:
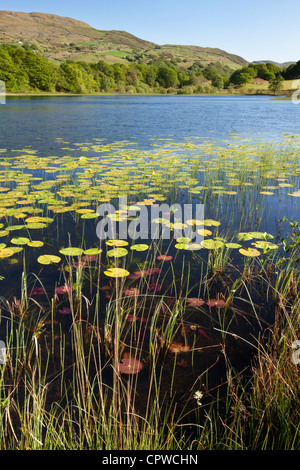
{"points": [[61, 38], [282, 65]]}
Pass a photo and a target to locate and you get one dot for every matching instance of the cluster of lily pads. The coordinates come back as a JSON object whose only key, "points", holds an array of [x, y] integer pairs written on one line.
{"points": [[38, 192]]}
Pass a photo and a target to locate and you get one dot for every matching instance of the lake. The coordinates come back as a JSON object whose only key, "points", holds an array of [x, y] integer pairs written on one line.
{"points": [[64, 158], [29, 120]]}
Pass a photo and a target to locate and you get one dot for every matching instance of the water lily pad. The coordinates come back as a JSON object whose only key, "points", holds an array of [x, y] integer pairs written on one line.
{"points": [[295, 194], [154, 287], [36, 225], [15, 227], [48, 259], [131, 292], [211, 222], [211, 244], [117, 252], [195, 301], [139, 247], [116, 242], [251, 252], [6, 252], [261, 235], [35, 243], [177, 226], [182, 246], [36, 291], [179, 347], [233, 245], [3, 233], [194, 222], [244, 236], [262, 244], [183, 240], [20, 241], [129, 365], [71, 251], [193, 246], [91, 215], [85, 211], [35, 219], [63, 289], [116, 272], [16, 249], [205, 232], [219, 303], [93, 251], [165, 257], [65, 311]]}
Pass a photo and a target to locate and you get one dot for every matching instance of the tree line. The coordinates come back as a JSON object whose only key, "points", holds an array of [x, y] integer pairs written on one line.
{"points": [[24, 70]]}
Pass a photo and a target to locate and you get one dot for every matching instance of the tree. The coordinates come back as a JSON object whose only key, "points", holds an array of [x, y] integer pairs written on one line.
{"points": [[276, 84], [183, 78], [40, 72], [242, 76], [292, 71], [167, 77]]}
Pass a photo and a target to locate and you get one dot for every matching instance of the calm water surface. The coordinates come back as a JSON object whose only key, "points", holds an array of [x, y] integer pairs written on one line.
{"points": [[38, 121]]}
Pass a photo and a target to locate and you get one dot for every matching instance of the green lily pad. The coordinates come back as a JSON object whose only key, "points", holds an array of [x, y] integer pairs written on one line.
{"points": [[90, 215], [15, 227], [93, 251], [85, 211], [261, 235], [116, 242], [36, 225], [244, 236], [71, 251], [20, 241], [48, 259], [211, 222], [117, 252], [204, 232], [182, 246], [211, 244], [262, 244], [139, 247], [116, 272], [35, 243], [6, 252], [295, 194], [183, 240], [16, 249], [37, 219], [250, 252], [233, 245]]}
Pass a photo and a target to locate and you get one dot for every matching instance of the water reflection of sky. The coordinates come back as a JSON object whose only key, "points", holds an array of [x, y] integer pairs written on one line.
{"points": [[38, 121]]}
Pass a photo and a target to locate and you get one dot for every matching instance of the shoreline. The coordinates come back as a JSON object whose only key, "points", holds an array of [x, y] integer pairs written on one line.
{"points": [[57, 94]]}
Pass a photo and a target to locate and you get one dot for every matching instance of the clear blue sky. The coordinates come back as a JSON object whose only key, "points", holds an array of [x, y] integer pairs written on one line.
{"points": [[255, 30]]}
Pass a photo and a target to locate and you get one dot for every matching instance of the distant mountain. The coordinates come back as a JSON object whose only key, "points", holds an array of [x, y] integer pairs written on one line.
{"points": [[283, 65], [60, 38]]}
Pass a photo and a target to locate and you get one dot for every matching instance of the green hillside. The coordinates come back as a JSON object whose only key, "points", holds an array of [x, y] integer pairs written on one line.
{"points": [[61, 39]]}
